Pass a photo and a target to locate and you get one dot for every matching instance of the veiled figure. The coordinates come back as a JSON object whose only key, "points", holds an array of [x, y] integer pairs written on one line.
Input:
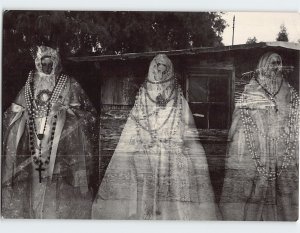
{"points": [[261, 180], [159, 169], [48, 145]]}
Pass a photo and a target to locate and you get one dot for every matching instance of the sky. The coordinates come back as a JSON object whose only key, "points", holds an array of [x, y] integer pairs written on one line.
{"points": [[263, 25]]}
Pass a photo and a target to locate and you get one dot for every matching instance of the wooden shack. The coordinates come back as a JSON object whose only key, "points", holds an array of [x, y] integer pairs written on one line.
{"points": [[210, 77]]}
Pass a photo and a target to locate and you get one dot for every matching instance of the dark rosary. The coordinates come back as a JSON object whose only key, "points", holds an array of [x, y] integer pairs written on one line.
{"points": [[271, 95], [41, 107]]}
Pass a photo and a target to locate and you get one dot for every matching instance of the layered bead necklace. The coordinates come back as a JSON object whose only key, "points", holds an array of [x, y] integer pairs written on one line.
{"points": [[250, 127], [271, 94], [160, 104], [159, 82], [41, 107]]}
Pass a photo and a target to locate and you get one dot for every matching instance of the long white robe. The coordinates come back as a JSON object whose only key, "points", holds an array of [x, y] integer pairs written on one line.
{"points": [[162, 178]]}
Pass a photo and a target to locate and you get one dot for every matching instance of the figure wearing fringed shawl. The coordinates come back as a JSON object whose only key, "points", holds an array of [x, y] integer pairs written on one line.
{"points": [[159, 169], [50, 124], [261, 180]]}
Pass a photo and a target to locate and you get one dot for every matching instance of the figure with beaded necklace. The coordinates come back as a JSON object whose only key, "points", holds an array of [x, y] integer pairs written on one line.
{"points": [[48, 145], [159, 169], [261, 179]]}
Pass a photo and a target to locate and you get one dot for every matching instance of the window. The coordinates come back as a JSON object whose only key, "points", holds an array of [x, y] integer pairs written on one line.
{"points": [[209, 97]]}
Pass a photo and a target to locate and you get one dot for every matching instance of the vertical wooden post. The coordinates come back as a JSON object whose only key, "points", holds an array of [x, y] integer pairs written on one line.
{"points": [[233, 30]]}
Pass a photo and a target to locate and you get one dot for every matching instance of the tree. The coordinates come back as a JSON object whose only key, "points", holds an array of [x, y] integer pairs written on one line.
{"points": [[87, 33], [282, 35], [252, 40]]}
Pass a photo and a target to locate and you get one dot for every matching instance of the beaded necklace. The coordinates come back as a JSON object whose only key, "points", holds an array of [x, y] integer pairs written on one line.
{"points": [[250, 126], [159, 82], [160, 100], [146, 111], [154, 132], [269, 94], [34, 111], [146, 146]]}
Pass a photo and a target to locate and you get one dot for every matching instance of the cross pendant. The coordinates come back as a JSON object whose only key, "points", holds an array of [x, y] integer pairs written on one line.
{"points": [[40, 169]]}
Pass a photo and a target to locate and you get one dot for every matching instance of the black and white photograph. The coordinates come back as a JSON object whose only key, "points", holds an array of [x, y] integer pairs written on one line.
{"points": [[150, 115]]}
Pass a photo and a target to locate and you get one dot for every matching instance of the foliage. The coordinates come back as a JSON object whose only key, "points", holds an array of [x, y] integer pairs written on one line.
{"points": [[88, 33], [282, 34], [252, 40]]}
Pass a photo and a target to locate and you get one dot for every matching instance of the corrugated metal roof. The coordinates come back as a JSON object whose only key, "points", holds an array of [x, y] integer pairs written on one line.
{"points": [[192, 51]]}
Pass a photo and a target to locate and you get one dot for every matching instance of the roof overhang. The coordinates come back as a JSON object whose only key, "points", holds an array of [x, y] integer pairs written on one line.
{"points": [[191, 51]]}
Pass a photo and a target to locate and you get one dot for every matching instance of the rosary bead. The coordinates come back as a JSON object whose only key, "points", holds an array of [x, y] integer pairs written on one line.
{"points": [[248, 122], [40, 111]]}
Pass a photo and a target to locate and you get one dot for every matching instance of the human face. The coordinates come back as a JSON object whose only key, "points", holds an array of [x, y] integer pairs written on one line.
{"points": [[161, 69], [274, 65], [47, 65]]}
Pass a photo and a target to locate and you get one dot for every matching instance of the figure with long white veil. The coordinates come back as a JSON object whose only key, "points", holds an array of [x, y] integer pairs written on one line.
{"points": [[159, 168], [261, 180]]}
